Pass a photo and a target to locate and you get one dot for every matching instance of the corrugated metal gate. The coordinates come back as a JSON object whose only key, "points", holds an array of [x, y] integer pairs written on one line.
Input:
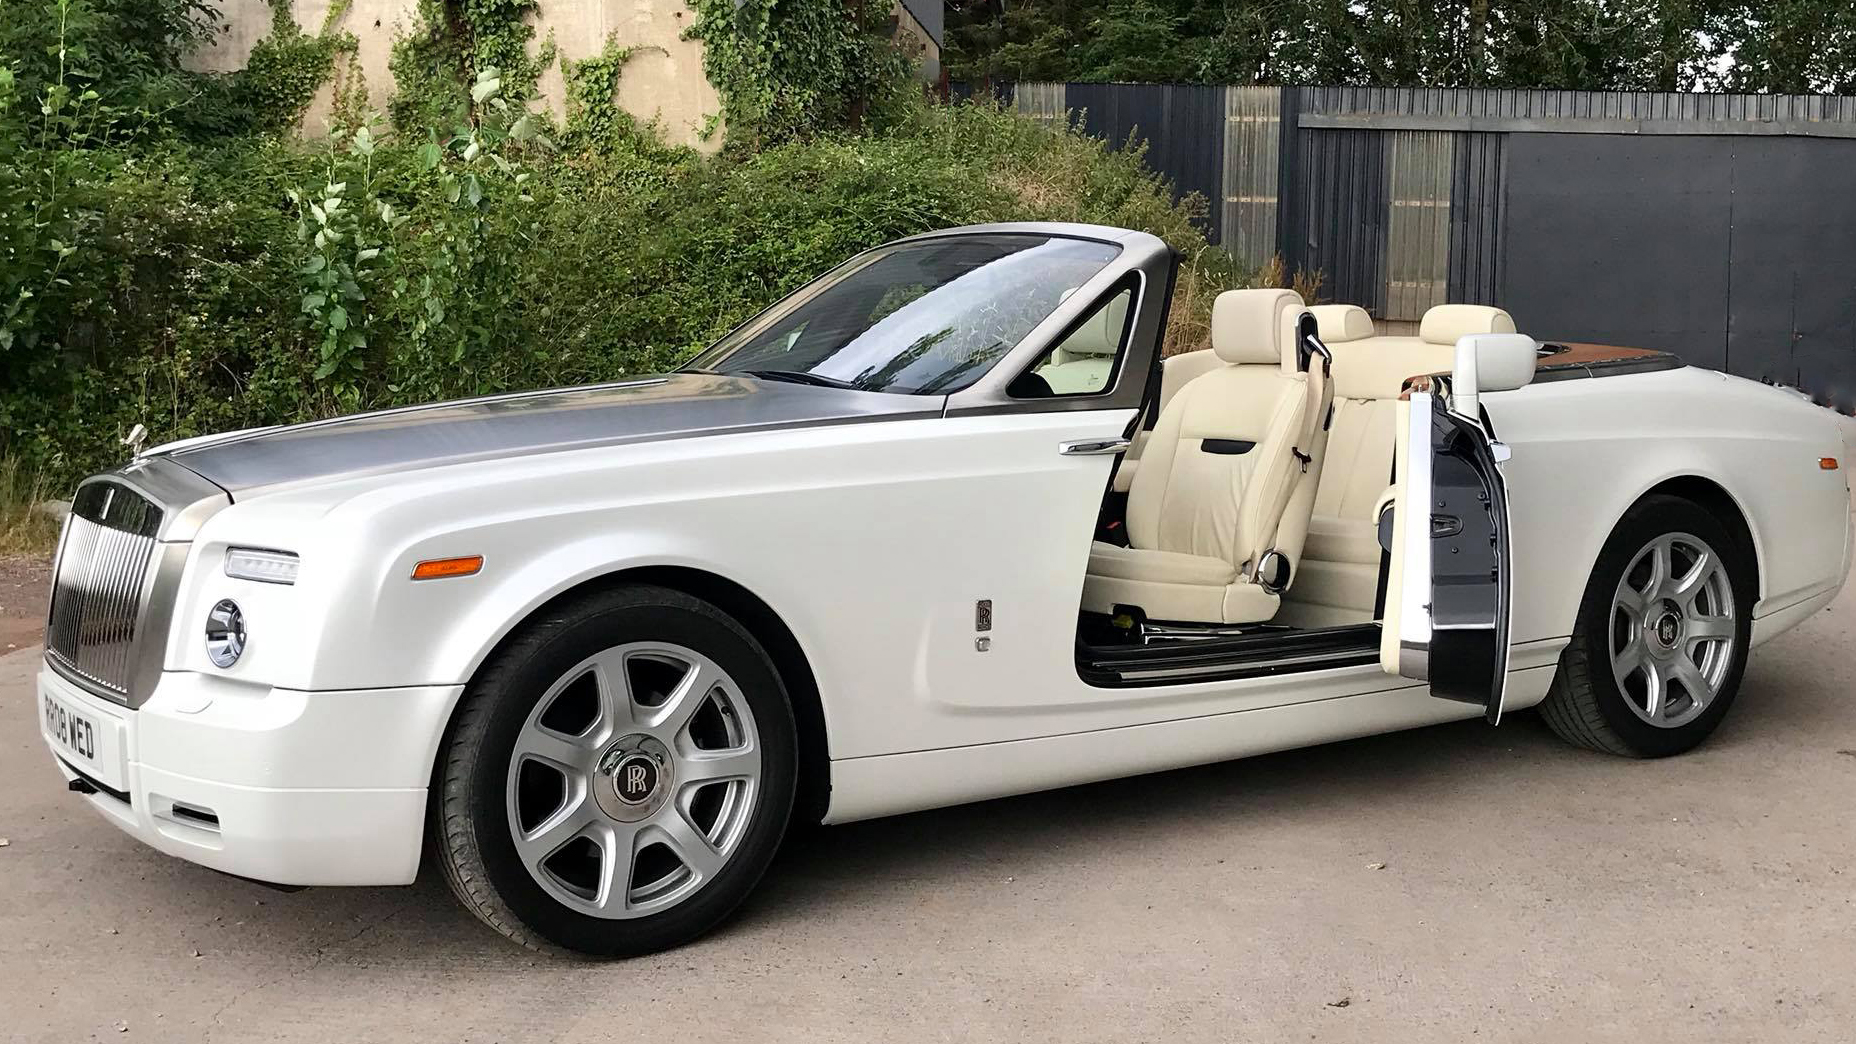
{"points": [[1720, 227]]}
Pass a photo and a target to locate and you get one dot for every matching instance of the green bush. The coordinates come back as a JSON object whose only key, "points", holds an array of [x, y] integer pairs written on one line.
{"points": [[203, 283]]}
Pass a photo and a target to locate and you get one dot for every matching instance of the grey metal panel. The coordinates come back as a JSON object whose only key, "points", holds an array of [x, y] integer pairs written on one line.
{"points": [[1337, 212], [1581, 112], [1528, 104], [1715, 226], [1419, 172], [1181, 124], [1394, 121], [1729, 251], [1792, 313], [1476, 218], [1619, 240], [1252, 158]]}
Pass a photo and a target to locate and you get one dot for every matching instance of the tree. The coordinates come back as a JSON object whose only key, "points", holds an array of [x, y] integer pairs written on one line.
{"points": [[1664, 45], [1785, 47]]}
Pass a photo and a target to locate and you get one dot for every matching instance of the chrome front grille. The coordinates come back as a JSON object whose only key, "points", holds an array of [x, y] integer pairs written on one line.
{"points": [[103, 579]]}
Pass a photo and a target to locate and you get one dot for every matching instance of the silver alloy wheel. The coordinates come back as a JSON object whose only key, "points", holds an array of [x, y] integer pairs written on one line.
{"points": [[633, 780], [1672, 629]]}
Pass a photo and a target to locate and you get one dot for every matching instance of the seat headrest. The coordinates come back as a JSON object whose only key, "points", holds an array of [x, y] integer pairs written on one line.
{"points": [[1256, 326], [1100, 334], [1340, 323], [1445, 323]]}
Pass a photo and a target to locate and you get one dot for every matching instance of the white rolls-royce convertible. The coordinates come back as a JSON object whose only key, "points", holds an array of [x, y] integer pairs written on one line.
{"points": [[940, 526]]}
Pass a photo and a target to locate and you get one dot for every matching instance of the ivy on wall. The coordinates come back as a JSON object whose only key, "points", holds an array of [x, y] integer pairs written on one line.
{"points": [[435, 65], [591, 83], [288, 66], [785, 69], [790, 68]]}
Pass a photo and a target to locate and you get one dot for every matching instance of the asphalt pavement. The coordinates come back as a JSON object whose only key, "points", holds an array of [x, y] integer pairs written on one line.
{"points": [[1448, 883]]}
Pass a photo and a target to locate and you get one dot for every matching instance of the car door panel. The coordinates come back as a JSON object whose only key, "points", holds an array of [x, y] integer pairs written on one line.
{"points": [[1448, 598]]}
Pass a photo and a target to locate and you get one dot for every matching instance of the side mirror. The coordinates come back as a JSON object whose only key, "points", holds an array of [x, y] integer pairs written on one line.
{"points": [[1490, 362]]}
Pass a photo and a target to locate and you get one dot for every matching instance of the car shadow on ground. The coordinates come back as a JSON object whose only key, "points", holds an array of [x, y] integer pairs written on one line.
{"points": [[1338, 782], [826, 871]]}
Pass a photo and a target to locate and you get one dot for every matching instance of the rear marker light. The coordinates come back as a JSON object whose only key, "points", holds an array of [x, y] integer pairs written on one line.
{"points": [[1827, 463], [443, 568]]}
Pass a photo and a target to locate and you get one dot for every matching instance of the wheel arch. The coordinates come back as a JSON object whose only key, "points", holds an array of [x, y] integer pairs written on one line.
{"points": [[761, 621], [1715, 499]]}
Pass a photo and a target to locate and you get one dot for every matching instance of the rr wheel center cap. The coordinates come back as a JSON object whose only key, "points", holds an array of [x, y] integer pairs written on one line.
{"points": [[633, 778], [1668, 629]]}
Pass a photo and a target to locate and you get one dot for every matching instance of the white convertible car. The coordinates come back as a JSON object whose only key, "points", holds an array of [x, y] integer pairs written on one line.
{"points": [[940, 526]]}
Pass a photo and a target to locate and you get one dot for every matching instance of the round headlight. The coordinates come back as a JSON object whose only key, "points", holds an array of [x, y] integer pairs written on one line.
{"points": [[225, 633]]}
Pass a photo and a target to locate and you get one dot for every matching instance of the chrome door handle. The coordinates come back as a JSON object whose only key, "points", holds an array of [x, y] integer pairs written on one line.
{"points": [[1093, 447]]}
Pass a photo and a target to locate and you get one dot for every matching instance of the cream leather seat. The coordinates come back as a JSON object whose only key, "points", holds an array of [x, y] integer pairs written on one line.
{"points": [[1218, 477], [1176, 371], [1086, 359], [1338, 581]]}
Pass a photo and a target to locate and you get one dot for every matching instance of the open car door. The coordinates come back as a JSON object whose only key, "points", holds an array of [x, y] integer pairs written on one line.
{"points": [[1447, 593]]}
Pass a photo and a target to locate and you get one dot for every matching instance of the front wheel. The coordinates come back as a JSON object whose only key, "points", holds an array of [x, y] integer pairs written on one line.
{"points": [[1662, 637], [618, 777]]}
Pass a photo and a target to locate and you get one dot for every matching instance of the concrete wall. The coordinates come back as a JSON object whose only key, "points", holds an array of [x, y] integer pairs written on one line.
{"points": [[664, 80], [375, 23]]}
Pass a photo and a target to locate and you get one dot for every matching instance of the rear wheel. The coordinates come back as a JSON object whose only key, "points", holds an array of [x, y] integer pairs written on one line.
{"points": [[618, 778], [1663, 632]]}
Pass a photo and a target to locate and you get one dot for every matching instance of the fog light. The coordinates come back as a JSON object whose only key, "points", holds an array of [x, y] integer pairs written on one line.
{"points": [[225, 633]]}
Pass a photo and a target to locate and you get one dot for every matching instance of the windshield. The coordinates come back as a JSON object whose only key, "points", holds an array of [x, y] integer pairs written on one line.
{"points": [[925, 318]]}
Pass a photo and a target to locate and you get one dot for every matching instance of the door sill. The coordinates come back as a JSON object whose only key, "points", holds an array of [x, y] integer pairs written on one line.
{"points": [[1227, 657]]}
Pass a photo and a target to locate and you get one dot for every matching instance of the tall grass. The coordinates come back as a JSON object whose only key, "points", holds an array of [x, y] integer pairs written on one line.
{"points": [[24, 530]]}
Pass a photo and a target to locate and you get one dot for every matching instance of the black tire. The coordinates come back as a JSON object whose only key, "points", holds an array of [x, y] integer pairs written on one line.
{"points": [[469, 821], [1585, 706]]}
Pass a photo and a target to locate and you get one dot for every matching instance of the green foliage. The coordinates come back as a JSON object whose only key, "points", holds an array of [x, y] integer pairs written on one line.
{"points": [[285, 70], [47, 208], [591, 85], [198, 278], [129, 51], [1796, 46], [1786, 46], [436, 64], [347, 226], [791, 68], [263, 282], [23, 528], [428, 66]]}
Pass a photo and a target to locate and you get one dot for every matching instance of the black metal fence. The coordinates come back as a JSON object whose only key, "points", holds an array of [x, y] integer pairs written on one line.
{"points": [[1719, 227]]}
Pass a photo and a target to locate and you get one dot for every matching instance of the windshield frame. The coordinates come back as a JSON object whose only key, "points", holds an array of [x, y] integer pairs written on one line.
{"points": [[1144, 257], [1142, 254], [1039, 337]]}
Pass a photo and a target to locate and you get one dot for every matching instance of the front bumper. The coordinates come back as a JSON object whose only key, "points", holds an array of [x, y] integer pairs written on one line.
{"points": [[278, 785]]}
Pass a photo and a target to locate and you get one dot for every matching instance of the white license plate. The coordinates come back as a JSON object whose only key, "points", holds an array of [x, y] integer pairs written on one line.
{"points": [[91, 742]]}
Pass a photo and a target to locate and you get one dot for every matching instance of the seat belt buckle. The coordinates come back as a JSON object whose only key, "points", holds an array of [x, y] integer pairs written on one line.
{"points": [[1303, 457]]}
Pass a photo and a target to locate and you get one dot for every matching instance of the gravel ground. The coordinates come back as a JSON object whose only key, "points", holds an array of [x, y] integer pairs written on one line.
{"points": [[25, 586], [1439, 884]]}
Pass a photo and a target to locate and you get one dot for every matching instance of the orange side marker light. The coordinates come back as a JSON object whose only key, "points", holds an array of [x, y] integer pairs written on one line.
{"points": [[444, 568], [1827, 463]]}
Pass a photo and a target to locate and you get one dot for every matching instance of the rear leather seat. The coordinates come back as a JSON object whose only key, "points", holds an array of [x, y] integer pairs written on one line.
{"points": [[1338, 580]]}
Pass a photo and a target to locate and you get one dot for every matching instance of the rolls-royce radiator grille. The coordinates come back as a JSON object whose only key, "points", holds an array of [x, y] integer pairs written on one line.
{"points": [[103, 566]]}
